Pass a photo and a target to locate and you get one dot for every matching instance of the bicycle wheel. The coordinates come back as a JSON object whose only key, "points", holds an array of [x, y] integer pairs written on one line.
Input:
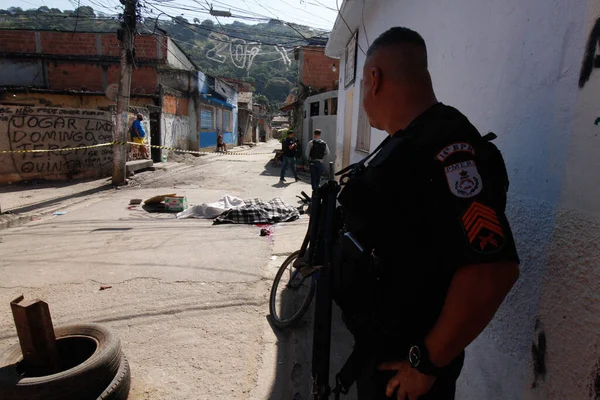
{"points": [[291, 294]]}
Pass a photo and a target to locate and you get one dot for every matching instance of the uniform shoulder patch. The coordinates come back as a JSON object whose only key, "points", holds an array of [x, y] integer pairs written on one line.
{"points": [[454, 148], [482, 228], [463, 179]]}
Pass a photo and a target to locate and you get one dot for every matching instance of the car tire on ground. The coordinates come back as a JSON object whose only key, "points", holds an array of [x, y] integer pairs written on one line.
{"points": [[119, 387], [91, 360]]}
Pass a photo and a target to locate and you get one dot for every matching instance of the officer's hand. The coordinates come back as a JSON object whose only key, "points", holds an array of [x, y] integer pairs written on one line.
{"points": [[410, 383]]}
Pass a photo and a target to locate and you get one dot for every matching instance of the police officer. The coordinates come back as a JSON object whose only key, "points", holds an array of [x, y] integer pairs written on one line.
{"points": [[436, 254], [316, 151], [289, 146]]}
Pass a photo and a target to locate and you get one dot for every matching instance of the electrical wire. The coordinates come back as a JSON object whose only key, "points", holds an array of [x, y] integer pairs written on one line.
{"points": [[187, 25], [363, 24]]}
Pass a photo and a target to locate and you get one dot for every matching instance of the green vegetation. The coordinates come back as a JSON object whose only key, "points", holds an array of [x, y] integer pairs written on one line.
{"points": [[260, 53]]}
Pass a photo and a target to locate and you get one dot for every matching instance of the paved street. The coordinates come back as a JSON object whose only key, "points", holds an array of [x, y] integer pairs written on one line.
{"points": [[188, 299]]}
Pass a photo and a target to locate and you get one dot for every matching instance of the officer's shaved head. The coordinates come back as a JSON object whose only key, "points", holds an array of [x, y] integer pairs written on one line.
{"points": [[396, 82]]}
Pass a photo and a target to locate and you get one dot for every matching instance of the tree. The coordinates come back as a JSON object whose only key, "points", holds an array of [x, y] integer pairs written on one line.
{"points": [[85, 11], [277, 89]]}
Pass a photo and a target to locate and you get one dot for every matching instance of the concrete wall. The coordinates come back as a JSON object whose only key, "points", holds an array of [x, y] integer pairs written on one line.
{"points": [[175, 130], [87, 101], [177, 58], [513, 67], [21, 73], [31, 128]]}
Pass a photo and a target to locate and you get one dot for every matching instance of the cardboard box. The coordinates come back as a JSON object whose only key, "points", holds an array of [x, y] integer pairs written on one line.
{"points": [[176, 203]]}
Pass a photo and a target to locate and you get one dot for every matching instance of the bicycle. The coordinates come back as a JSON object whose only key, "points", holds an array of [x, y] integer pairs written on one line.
{"points": [[298, 292], [311, 278]]}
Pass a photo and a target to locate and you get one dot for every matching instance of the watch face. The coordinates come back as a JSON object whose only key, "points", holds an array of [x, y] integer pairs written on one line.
{"points": [[414, 356]]}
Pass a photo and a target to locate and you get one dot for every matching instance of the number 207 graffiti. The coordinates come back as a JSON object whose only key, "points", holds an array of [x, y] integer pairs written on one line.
{"points": [[242, 54]]}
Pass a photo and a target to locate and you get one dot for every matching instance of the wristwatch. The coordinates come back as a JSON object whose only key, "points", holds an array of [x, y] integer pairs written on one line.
{"points": [[418, 358]]}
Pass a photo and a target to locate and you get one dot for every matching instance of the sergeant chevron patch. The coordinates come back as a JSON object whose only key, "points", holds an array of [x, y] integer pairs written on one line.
{"points": [[483, 229]]}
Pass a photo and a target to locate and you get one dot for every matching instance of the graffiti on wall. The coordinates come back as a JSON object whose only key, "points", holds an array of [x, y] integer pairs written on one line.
{"points": [[591, 59], [240, 52], [538, 355], [39, 128], [176, 130]]}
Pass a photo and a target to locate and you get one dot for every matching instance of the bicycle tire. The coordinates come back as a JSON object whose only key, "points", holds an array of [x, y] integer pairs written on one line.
{"points": [[275, 317]]}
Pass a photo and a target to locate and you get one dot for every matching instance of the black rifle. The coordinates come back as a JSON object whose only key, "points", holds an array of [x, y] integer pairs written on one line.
{"points": [[323, 206], [323, 211]]}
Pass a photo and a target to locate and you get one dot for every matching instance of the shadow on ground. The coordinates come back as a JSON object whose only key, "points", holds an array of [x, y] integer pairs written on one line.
{"points": [[34, 185]]}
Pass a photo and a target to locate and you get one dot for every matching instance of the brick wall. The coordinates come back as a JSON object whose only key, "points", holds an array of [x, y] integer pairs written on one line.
{"points": [[17, 41], [317, 70], [80, 44], [144, 80], [175, 105], [65, 76], [77, 75], [170, 104]]}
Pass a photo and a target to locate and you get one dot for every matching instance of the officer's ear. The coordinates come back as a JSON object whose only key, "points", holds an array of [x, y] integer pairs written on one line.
{"points": [[375, 77]]}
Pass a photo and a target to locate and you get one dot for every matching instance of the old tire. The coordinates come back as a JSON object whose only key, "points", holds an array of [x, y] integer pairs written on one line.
{"points": [[119, 387], [87, 378]]}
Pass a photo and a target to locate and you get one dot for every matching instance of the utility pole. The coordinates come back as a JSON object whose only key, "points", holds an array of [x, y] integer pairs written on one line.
{"points": [[126, 36]]}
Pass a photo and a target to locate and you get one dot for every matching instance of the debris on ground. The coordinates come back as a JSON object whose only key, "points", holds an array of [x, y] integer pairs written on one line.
{"points": [[211, 210], [59, 213], [135, 201], [104, 287], [159, 199], [176, 203]]}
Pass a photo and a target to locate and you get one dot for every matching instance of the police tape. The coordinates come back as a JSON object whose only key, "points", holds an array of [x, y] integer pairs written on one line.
{"points": [[229, 153]]}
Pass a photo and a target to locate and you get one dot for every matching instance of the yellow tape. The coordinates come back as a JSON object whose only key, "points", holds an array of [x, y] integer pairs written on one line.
{"points": [[53, 150], [229, 153]]}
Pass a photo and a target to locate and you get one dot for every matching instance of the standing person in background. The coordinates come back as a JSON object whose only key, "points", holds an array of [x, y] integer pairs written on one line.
{"points": [[240, 137], [316, 151], [290, 148], [138, 135]]}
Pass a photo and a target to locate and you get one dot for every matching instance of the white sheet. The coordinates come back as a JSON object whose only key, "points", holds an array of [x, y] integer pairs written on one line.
{"points": [[211, 210]]}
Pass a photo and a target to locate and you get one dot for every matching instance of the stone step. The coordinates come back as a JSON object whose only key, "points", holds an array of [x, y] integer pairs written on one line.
{"points": [[138, 165]]}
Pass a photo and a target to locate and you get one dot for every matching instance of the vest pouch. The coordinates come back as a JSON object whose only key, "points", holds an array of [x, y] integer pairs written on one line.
{"points": [[354, 279]]}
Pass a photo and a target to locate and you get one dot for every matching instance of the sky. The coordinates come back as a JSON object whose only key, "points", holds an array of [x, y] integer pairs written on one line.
{"points": [[319, 14]]}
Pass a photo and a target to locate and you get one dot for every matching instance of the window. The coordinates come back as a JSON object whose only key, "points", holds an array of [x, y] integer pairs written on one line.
{"points": [[326, 107], [363, 135], [314, 109], [226, 125], [333, 107], [207, 121], [350, 60]]}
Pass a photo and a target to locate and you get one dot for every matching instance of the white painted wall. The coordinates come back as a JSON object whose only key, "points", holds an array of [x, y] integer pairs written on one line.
{"points": [[326, 123], [512, 67]]}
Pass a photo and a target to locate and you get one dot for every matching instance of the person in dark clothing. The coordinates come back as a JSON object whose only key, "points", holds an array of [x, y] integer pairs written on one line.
{"points": [[316, 151], [439, 261], [221, 145], [289, 146]]}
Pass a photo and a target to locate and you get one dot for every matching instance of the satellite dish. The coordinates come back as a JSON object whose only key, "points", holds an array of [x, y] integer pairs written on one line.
{"points": [[112, 91]]}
